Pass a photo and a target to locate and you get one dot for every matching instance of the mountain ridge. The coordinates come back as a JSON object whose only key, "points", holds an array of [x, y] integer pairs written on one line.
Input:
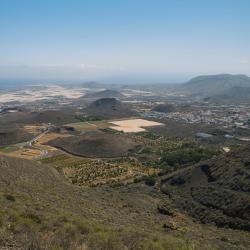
{"points": [[209, 85]]}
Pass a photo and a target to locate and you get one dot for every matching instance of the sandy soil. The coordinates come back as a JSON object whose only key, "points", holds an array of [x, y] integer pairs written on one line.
{"points": [[50, 92], [133, 125]]}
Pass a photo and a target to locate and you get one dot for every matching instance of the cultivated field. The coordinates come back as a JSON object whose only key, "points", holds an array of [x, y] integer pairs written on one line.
{"points": [[34, 129], [38, 150], [26, 153], [133, 125], [92, 172]]}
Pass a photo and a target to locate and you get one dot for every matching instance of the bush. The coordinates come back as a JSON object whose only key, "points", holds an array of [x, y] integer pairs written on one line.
{"points": [[105, 240], [33, 217], [9, 197], [149, 180], [186, 156], [88, 118], [148, 135]]}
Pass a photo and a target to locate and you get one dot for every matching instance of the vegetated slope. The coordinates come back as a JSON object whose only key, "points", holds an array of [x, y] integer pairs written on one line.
{"points": [[214, 84], [107, 93], [108, 108], [234, 95], [27, 172], [216, 191], [96, 144], [40, 210]]}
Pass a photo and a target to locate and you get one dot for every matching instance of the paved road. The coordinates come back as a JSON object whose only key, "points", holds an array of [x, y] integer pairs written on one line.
{"points": [[35, 139]]}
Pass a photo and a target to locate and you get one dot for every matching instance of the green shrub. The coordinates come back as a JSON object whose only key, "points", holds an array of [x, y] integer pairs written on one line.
{"points": [[105, 240], [33, 217], [148, 135], [166, 243], [88, 118], [9, 197], [186, 156], [150, 180]]}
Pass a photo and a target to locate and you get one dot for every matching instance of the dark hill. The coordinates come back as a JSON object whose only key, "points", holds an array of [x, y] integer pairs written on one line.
{"points": [[53, 116], [108, 108], [9, 136], [57, 117], [105, 94], [216, 191], [96, 144], [164, 108], [214, 84], [92, 85]]}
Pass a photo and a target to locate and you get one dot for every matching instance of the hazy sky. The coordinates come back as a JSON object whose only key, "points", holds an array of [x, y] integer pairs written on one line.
{"points": [[144, 40]]}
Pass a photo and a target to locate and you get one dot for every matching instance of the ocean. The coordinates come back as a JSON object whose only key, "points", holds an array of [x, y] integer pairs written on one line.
{"points": [[12, 84]]}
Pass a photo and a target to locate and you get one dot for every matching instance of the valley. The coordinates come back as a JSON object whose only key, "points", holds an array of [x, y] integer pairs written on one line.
{"points": [[145, 167]]}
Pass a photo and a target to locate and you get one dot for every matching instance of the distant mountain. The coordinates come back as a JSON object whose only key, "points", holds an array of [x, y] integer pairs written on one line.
{"points": [[92, 85], [210, 85], [107, 108], [107, 93], [234, 95]]}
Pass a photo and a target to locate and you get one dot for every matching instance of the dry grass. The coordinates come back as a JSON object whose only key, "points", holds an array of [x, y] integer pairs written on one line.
{"points": [[34, 129], [26, 153], [50, 136]]}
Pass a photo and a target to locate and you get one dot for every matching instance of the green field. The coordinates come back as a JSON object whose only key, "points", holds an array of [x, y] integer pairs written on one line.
{"points": [[8, 149]]}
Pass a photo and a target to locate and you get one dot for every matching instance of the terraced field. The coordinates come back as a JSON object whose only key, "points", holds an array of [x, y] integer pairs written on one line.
{"points": [[91, 172]]}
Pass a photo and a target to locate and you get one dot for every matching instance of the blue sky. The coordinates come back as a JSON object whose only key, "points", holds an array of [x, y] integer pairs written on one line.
{"points": [[127, 40]]}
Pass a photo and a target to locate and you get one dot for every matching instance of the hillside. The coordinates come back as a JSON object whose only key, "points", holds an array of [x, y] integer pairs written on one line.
{"points": [[108, 108], [215, 191], [40, 210], [57, 117], [234, 95], [9, 136], [96, 144], [214, 84]]}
